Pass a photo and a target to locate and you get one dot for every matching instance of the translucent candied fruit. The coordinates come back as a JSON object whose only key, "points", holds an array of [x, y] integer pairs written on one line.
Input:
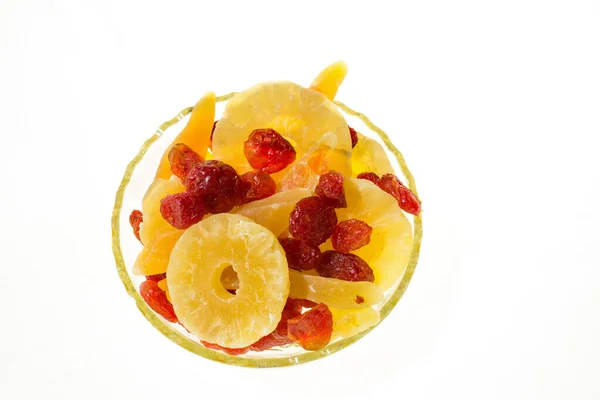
{"points": [[312, 330], [182, 210], [333, 292], [182, 159], [331, 187], [257, 185], [300, 255], [266, 150], [218, 184], [407, 200], [347, 267], [351, 235], [313, 220]]}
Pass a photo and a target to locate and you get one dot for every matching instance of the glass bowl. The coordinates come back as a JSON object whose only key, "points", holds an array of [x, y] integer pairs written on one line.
{"points": [[138, 176]]}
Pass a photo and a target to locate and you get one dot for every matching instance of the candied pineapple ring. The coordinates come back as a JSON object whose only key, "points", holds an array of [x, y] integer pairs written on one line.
{"points": [[201, 302], [196, 133], [299, 114]]}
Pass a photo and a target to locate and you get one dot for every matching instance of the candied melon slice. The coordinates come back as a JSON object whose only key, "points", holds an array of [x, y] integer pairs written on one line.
{"points": [[154, 257], [347, 323], [330, 79], [334, 292], [196, 134]]}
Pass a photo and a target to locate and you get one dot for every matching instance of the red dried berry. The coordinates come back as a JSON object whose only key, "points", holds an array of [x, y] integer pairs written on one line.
{"points": [[351, 235], [257, 185], [182, 159], [157, 300], [347, 267], [300, 256], [156, 278], [135, 219], [359, 299], [331, 187], [217, 183], [268, 151], [312, 330], [407, 200], [232, 352], [353, 136], [370, 176], [313, 220], [182, 210]]}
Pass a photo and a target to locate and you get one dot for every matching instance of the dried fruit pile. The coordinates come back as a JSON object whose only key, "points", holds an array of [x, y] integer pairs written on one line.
{"points": [[276, 225]]}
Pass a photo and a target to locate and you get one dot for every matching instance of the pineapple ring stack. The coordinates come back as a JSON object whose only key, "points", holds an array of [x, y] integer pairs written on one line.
{"points": [[196, 260]]}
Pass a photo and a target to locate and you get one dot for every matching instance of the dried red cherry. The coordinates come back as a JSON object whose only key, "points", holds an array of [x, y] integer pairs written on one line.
{"points": [[331, 187], [268, 151], [312, 330], [300, 256], [182, 159], [313, 220], [182, 210], [351, 235], [217, 183], [156, 278], [156, 298], [407, 200], [353, 136], [135, 219], [257, 185], [347, 267], [370, 176]]}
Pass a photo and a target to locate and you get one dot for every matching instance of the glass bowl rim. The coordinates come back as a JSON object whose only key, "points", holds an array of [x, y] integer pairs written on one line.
{"points": [[218, 356]]}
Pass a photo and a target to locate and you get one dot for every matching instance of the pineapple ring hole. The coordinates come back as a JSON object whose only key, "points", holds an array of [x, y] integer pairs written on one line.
{"points": [[229, 278]]}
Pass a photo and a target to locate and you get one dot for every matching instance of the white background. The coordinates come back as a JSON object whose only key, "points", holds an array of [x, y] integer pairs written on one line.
{"points": [[495, 104]]}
